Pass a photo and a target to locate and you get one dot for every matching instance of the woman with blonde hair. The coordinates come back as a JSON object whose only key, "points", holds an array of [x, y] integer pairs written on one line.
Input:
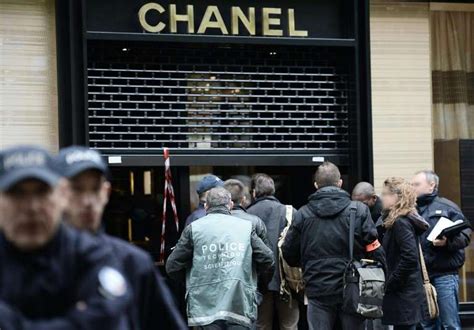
{"points": [[403, 304]]}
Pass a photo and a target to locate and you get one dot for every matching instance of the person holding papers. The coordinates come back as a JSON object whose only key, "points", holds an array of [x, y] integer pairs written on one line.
{"points": [[443, 247]]}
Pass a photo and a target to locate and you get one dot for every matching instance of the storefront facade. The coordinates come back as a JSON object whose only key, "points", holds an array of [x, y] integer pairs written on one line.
{"points": [[218, 84], [234, 89]]}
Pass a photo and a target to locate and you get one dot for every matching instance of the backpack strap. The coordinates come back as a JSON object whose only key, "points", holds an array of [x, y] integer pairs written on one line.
{"points": [[289, 214], [285, 288], [352, 218]]}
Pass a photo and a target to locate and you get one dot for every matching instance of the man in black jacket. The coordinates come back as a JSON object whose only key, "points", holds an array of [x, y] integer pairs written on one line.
{"points": [[273, 213], [153, 305], [444, 257], [318, 241]]}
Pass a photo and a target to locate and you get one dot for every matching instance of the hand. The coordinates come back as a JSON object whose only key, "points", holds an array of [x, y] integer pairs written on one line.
{"points": [[440, 242]]}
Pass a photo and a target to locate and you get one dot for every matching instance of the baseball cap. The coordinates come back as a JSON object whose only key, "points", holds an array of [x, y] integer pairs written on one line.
{"points": [[209, 182], [74, 160], [26, 162]]}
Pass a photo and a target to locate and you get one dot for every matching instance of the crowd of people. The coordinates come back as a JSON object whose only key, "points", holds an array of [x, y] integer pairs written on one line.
{"points": [[239, 255], [390, 230]]}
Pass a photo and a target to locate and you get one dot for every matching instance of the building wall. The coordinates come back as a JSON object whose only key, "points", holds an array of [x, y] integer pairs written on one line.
{"points": [[28, 94], [401, 89]]}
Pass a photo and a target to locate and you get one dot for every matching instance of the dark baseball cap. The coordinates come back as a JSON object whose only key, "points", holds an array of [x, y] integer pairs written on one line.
{"points": [[26, 162], [209, 182], [74, 160]]}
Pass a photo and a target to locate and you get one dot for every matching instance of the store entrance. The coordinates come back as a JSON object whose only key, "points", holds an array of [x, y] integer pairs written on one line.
{"points": [[136, 205]]}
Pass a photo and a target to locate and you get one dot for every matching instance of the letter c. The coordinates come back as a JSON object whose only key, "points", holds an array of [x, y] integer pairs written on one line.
{"points": [[142, 17]]}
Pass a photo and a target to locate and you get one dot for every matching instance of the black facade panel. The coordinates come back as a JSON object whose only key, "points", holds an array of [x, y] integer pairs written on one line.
{"points": [[332, 19], [466, 158]]}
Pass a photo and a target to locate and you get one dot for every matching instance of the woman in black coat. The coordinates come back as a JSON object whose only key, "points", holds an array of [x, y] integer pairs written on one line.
{"points": [[404, 301]]}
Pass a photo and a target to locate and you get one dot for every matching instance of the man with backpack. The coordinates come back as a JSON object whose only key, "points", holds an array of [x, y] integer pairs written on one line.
{"points": [[274, 214], [318, 240]]}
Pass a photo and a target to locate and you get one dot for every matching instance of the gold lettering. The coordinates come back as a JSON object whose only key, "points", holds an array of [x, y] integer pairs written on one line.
{"points": [[142, 17], [206, 22], [212, 19], [269, 21], [247, 21], [188, 17], [292, 25]]}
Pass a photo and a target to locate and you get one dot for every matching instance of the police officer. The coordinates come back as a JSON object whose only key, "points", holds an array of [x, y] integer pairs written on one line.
{"points": [[89, 189], [207, 183], [217, 253], [51, 276]]}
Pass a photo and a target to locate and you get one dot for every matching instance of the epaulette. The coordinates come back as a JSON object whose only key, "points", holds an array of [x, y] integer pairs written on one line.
{"points": [[447, 202]]}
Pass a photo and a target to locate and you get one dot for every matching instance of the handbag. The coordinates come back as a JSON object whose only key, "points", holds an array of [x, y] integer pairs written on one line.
{"points": [[364, 281], [430, 291]]}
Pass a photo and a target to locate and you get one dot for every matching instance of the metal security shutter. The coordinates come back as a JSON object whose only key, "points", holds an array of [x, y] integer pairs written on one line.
{"points": [[218, 97]]}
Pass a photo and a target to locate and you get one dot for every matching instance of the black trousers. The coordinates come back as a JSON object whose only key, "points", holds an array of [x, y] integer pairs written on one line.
{"points": [[404, 327], [323, 317]]}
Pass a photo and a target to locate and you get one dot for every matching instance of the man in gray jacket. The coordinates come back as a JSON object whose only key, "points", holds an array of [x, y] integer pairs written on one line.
{"points": [[217, 254]]}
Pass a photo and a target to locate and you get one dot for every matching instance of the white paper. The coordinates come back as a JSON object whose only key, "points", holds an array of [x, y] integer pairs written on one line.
{"points": [[441, 225]]}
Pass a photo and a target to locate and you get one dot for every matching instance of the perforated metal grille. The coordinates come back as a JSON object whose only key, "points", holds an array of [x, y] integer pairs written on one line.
{"points": [[203, 96]]}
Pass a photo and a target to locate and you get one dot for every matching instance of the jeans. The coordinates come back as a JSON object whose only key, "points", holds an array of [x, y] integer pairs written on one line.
{"points": [[323, 317], [447, 287]]}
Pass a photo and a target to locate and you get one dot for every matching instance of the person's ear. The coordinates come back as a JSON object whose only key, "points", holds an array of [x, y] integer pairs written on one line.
{"points": [[244, 199], [67, 190], [316, 185], [231, 204], [253, 194], [63, 192], [339, 183], [205, 206], [107, 188]]}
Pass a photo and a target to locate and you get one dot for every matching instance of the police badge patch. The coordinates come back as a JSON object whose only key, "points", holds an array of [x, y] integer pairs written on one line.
{"points": [[112, 283]]}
